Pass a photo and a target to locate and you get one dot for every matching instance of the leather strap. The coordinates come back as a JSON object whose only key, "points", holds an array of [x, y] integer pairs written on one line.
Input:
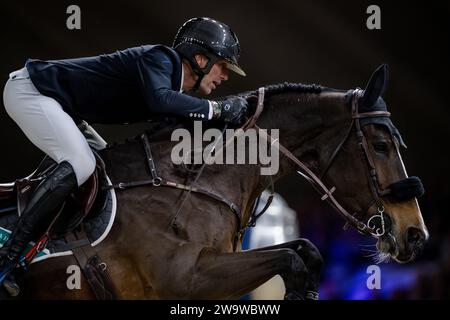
{"points": [[255, 216], [164, 183], [251, 122], [327, 194], [94, 270], [371, 114], [151, 164]]}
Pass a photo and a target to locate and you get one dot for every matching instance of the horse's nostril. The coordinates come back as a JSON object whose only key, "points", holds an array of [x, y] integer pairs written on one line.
{"points": [[415, 236]]}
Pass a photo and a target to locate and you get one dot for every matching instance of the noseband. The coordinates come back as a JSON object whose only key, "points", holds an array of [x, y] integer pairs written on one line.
{"points": [[402, 190]]}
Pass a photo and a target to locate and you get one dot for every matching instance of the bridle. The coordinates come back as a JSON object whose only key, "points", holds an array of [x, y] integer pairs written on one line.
{"points": [[370, 227]]}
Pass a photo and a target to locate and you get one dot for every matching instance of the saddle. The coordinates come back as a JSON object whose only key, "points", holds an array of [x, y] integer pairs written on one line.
{"points": [[85, 219], [83, 204]]}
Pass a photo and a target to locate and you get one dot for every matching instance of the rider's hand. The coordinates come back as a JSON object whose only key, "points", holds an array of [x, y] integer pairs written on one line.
{"points": [[230, 110]]}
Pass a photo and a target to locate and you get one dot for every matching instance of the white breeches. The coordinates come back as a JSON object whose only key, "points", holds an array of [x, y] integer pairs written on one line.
{"points": [[47, 125]]}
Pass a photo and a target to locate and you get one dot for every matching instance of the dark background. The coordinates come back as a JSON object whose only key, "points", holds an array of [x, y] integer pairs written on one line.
{"points": [[321, 42]]}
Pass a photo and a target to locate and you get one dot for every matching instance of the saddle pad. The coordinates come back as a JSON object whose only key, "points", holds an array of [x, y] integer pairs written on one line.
{"points": [[97, 229]]}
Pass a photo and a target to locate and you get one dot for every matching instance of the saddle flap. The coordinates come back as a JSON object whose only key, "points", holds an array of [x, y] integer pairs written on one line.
{"points": [[86, 193]]}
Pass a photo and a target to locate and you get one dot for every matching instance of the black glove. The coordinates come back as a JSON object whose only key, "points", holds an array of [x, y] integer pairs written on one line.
{"points": [[230, 110]]}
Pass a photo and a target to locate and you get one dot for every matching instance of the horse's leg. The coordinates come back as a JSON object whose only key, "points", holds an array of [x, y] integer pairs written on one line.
{"points": [[312, 259], [230, 275]]}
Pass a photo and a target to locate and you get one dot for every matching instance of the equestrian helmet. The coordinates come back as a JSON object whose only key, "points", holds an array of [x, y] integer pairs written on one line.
{"points": [[211, 38]]}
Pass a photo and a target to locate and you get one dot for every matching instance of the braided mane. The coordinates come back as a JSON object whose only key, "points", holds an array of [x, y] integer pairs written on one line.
{"points": [[286, 87]]}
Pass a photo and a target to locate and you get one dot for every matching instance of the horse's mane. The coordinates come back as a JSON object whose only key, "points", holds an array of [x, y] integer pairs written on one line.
{"points": [[285, 87], [168, 124]]}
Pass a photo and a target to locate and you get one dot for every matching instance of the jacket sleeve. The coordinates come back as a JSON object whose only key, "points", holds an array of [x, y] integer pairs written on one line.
{"points": [[155, 72]]}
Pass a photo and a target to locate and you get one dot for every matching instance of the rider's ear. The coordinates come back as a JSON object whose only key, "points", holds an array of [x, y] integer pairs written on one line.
{"points": [[376, 86], [201, 59]]}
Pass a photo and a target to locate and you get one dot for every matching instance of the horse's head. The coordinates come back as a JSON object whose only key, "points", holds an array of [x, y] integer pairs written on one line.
{"points": [[370, 177], [347, 146]]}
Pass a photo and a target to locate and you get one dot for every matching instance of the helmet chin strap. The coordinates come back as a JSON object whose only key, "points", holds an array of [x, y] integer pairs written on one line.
{"points": [[201, 72], [199, 80]]}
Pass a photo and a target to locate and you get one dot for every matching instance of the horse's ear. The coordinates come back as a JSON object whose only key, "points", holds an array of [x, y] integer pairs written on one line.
{"points": [[376, 86]]}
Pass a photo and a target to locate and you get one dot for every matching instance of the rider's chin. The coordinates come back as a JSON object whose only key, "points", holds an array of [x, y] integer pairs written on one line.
{"points": [[205, 90]]}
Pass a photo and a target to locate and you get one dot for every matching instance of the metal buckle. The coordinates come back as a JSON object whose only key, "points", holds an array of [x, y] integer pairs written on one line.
{"points": [[102, 266], [157, 181], [377, 232]]}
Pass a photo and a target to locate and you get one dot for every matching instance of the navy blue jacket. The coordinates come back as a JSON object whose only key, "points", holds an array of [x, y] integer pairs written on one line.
{"points": [[126, 86]]}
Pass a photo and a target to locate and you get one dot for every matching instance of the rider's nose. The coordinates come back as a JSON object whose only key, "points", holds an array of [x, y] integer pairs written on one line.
{"points": [[224, 76], [415, 238]]}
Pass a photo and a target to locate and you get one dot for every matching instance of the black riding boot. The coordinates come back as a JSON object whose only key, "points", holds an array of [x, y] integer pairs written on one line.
{"points": [[36, 217]]}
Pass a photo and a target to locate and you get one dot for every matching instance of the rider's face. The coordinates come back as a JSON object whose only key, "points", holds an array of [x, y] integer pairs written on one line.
{"points": [[218, 73]]}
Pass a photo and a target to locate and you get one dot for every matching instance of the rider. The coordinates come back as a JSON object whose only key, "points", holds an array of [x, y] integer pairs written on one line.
{"points": [[47, 98]]}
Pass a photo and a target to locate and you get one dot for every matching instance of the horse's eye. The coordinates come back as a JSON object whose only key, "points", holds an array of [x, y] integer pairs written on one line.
{"points": [[381, 147]]}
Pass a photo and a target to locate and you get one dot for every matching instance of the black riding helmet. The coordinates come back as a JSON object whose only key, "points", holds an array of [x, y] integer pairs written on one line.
{"points": [[211, 38]]}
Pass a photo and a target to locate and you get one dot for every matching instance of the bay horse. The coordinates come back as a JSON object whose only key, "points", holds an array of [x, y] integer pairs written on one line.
{"points": [[335, 138]]}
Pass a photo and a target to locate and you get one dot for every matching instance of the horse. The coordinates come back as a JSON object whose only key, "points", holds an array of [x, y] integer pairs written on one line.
{"points": [[178, 243]]}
